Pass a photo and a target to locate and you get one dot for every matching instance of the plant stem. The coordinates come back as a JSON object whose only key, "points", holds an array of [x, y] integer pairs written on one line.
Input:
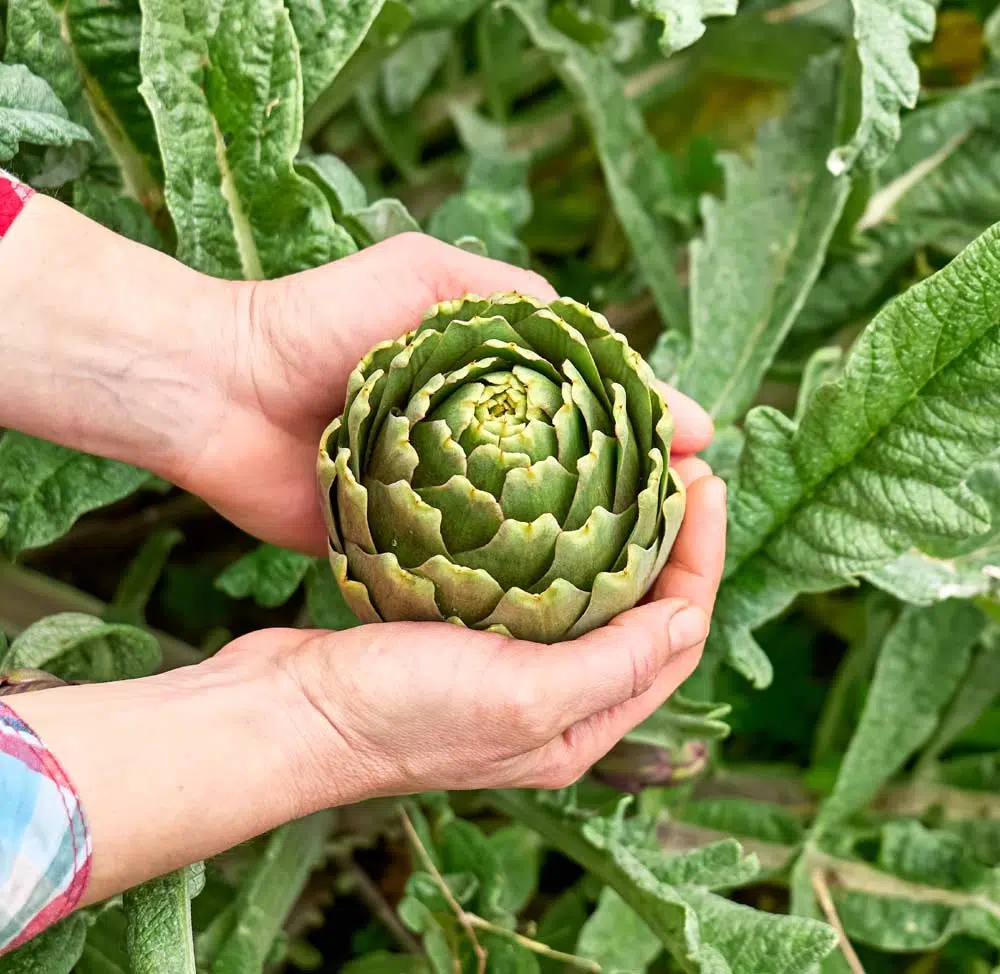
{"points": [[533, 945], [825, 900], [380, 908], [456, 908]]}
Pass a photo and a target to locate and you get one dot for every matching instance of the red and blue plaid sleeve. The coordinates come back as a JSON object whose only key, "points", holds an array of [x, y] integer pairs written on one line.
{"points": [[13, 196], [44, 842]]}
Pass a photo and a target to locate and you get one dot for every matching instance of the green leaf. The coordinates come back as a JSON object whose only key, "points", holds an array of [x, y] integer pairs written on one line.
{"points": [[851, 488], [44, 488], [683, 20], [75, 646], [225, 90], [31, 112], [703, 931], [979, 688], [936, 187], [633, 166], [889, 79], [680, 720], [270, 575], [328, 32], [158, 934], [616, 937], [823, 366], [240, 938], [55, 951], [448, 13], [921, 664], [763, 248], [409, 69], [517, 852], [746, 819]]}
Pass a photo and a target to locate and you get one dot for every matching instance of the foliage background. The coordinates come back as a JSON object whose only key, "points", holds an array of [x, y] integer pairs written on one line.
{"points": [[744, 197]]}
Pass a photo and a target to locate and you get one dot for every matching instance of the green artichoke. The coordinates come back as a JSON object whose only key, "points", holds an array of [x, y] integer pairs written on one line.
{"points": [[504, 466]]}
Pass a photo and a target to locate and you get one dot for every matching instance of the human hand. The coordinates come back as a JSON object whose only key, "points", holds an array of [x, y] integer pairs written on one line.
{"points": [[294, 343], [421, 706]]}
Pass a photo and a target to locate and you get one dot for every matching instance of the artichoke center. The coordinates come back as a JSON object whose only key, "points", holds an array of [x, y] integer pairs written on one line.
{"points": [[504, 406]]}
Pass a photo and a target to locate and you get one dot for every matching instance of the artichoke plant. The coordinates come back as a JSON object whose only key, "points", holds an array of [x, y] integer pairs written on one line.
{"points": [[503, 466]]}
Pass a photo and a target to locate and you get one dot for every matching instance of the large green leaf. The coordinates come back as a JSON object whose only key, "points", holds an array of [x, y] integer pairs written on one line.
{"points": [[634, 169], [683, 20], [44, 488], [31, 112], [763, 248], [55, 951], [920, 666], [224, 86], [329, 32], [888, 80], [672, 895], [879, 461], [616, 937]]}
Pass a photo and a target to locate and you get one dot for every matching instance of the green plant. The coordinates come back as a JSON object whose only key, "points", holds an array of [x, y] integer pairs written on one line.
{"points": [[789, 210]]}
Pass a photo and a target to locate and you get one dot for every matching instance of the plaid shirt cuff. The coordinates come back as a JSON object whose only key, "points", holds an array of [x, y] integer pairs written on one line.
{"points": [[44, 842], [13, 197]]}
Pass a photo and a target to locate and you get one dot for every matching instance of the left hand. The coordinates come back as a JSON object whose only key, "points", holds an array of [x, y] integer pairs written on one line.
{"points": [[294, 343]]}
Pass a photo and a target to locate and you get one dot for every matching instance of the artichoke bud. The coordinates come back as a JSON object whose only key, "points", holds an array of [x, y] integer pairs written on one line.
{"points": [[632, 767], [504, 466], [25, 679]]}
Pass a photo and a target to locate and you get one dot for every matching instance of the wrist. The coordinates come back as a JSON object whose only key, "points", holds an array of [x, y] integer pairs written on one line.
{"points": [[230, 744], [109, 347]]}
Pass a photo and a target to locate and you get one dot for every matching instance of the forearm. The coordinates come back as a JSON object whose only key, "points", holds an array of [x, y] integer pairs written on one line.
{"points": [[107, 344], [181, 766]]}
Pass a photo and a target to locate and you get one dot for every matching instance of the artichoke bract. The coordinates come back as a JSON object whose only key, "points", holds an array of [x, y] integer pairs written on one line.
{"points": [[504, 466]]}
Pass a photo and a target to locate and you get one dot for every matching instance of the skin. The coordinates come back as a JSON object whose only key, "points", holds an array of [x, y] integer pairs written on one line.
{"points": [[224, 388]]}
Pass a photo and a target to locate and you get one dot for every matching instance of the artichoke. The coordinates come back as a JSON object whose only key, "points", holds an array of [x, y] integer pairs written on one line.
{"points": [[631, 766], [504, 466]]}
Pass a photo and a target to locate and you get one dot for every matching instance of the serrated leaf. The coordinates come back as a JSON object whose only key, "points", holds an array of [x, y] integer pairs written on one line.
{"points": [[75, 646], [683, 20], [616, 937], [763, 248], [224, 86], [328, 32], [44, 488], [920, 666], [634, 168], [270, 575], [889, 78], [823, 366], [703, 931], [55, 951], [853, 486], [31, 112]]}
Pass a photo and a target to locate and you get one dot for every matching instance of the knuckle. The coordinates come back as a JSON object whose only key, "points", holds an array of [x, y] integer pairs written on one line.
{"points": [[526, 713], [644, 670]]}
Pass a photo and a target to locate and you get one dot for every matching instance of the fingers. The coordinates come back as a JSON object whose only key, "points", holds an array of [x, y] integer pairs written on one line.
{"points": [[694, 569], [693, 427], [690, 469], [566, 683]]}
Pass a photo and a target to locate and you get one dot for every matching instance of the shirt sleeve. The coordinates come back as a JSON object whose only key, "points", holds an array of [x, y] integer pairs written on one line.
{"points": [[13, 197], [44, 842]]}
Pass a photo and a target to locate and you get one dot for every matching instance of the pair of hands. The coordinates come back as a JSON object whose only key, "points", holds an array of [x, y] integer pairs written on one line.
{"points": [[224, 388], [421, 705]]}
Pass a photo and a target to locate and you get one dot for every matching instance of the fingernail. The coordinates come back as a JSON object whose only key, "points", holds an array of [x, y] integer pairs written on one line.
{"points": [[687, 628]]}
